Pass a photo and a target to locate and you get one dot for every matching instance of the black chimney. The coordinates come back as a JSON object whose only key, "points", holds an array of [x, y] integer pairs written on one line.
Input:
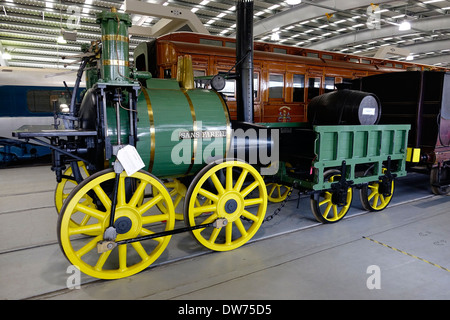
{"points": [[244, 59]]}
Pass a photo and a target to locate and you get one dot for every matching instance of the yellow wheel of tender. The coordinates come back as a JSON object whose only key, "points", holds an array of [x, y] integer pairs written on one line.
{"points": [[277, 192], [134, 217], [235, 191], [64, 188], [325, 209], [372, 197]]}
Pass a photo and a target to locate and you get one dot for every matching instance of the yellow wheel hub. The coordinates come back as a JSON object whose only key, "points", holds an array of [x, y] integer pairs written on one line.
{"points": [[134, 216], [234, 191]]}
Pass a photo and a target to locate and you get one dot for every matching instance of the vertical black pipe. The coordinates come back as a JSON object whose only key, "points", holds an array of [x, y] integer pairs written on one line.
{"points": [[244, 59]]}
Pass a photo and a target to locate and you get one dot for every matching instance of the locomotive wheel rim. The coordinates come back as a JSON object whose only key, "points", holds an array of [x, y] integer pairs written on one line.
{"points": [[371, 197], [232, 200], [325, 210], [126, 259], [274, 193], [60, 194]]}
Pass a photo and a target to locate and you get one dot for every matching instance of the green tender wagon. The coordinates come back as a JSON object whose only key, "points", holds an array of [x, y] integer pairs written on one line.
{"points": [[327, 161]]}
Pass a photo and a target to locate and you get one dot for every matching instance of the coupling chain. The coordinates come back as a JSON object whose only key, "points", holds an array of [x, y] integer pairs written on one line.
{"points": [[277, 210]]}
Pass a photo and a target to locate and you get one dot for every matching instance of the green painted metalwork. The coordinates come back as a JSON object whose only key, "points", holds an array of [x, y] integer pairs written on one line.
{"points": [[369, 145], [178, 130], [115, 46]]}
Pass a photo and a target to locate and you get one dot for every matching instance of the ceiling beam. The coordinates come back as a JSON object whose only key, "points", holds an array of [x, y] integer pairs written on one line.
{"points": [[431, 24], [308, 10], [428, 46], [444, 59], [172, 19]]}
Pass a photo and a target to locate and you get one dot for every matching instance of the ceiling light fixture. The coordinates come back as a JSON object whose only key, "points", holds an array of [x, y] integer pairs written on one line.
{"points": [[404, 26], [293, 2], [6, 56]]}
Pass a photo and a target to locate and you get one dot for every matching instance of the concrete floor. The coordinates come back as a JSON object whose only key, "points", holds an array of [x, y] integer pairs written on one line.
{"points": [[291, 257]]}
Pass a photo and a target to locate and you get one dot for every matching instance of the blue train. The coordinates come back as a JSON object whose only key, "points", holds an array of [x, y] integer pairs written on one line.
{"points": [[29, 96]]}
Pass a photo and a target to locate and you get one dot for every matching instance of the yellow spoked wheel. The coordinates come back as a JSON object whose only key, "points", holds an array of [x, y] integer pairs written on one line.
{"points": [[64, 188], [177, 191], [134, 217], [372, 197], [326, 209], [236, 192], [277, 192]]}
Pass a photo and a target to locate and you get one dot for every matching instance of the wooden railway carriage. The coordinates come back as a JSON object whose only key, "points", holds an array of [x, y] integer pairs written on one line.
{"points": [[285, 78], [117, 221]]}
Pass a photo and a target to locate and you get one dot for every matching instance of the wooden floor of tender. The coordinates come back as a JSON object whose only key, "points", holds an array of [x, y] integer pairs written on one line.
{"points": [[399, 253]]}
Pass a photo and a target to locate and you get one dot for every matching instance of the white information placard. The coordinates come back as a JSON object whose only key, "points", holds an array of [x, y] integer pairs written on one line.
{"points": [[130, 159]]}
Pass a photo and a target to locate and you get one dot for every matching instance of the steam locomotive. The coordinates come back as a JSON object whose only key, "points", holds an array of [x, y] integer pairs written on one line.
{"points": [[133, 137]]}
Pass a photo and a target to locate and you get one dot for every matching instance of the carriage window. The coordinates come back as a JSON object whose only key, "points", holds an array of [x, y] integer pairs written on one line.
{"points": [[276, 85], [199, 73], [229, 44], [167, 73], [255, 85], [211, 42], [313, 87], [299, 88], [312, 54], [42, 100], [279, 50], [329, 84]]}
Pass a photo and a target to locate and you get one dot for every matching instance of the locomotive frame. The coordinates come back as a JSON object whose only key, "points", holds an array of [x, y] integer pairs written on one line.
{"points": [[115, 223]]}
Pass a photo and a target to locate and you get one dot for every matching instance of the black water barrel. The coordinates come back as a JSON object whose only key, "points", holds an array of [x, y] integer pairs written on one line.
{"points": [[344, 107]]}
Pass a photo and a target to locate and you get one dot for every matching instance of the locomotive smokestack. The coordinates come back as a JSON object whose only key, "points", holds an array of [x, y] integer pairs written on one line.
{"points": [[244, 59]]}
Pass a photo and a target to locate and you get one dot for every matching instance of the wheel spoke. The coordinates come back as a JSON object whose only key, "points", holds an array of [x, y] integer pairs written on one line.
{"points": [[121, 191], [123, 257], [250, 216], [138, 194], [154, 218], [214, 234], [335, 211], [149, 204], [375, 201], [327, 209], [250, 202], [241, 227], [140, 250], [240, 180], [88, 246], [249, 189], [92, 212], [91, 228], [211, 196], [217, 183], [228, 233], [102, 260], [271, 190], [229, 179], [202, 209], [104, 199], [324, 202], [146, 232]]}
